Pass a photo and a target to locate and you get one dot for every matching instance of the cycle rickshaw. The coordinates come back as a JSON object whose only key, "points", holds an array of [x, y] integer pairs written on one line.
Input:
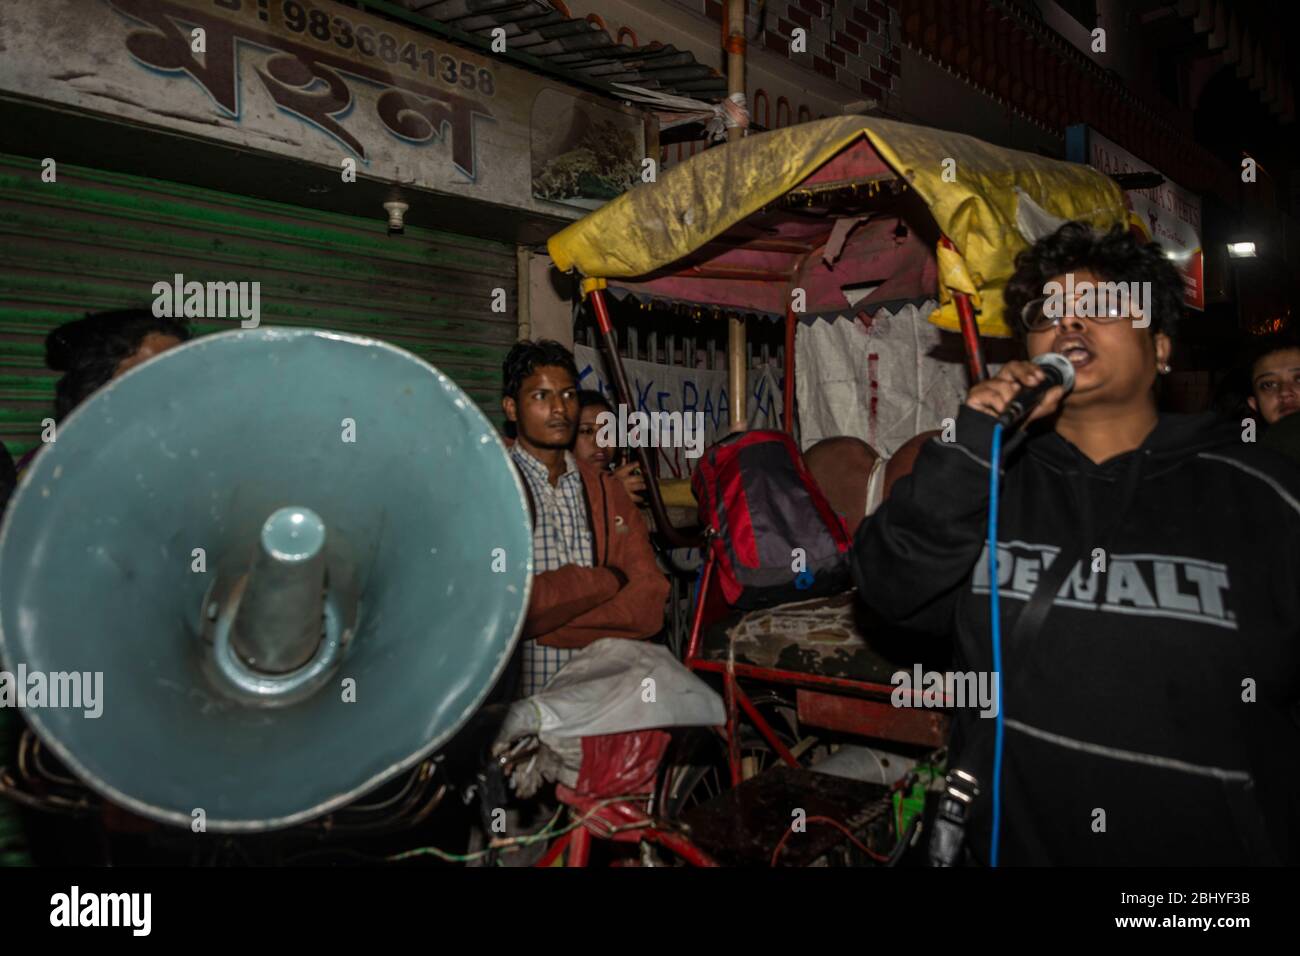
{"points": [[787, 224]]}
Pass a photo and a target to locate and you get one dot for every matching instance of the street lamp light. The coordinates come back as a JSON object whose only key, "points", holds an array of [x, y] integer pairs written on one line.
{"points": [[1238, 250]]}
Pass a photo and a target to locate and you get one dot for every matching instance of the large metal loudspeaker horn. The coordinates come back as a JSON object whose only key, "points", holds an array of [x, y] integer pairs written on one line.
{"points": [[279, 547]]}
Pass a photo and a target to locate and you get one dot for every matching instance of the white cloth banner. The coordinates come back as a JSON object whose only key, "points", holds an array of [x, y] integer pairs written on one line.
{"points": [[877, 382], [672, 388]]}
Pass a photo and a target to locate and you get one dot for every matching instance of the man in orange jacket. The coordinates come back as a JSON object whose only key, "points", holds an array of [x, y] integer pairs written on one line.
{"points": [[595, 573]]}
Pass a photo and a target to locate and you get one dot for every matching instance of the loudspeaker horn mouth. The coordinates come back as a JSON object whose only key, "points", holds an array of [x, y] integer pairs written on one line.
{"points": [[134, 549]]}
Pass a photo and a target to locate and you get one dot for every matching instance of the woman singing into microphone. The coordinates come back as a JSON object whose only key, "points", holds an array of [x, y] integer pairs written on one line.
{"points": [[1149, 575]]}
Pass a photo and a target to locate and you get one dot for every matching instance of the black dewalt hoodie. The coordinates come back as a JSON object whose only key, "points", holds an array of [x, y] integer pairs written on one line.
{"points": [[1151, 718]]}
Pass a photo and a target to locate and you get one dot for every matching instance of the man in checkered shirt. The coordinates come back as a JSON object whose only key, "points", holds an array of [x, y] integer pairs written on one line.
{"points": [[595, 573], [560, 537]]}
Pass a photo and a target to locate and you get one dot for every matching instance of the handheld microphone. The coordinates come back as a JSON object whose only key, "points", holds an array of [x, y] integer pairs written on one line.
{"points": [[1058, 371]]}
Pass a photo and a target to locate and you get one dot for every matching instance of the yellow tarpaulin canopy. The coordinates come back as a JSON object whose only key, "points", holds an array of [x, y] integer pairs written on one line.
{"points": [[976, 192]]}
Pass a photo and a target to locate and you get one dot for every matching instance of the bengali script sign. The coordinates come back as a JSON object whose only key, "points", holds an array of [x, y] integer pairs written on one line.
{"points": [[310, 79]]}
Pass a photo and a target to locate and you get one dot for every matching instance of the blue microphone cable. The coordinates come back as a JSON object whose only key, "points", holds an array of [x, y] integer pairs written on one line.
{"points": [[996, 627]]}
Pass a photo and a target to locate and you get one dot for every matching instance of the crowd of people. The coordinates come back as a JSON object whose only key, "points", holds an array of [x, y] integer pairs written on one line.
{"points": [[1149, 644]]}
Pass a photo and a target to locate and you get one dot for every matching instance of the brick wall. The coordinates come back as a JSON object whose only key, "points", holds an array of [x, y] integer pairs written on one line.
{"points": [[848, 41]]}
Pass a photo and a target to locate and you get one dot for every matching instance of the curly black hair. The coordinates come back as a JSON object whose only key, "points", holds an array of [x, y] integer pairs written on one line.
{"points": [[1265, 345], [1116, 256], [88, 350], [525, 358]]}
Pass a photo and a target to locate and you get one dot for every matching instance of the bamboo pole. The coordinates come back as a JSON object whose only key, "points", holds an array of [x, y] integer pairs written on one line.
{"points": [[736, 378]]}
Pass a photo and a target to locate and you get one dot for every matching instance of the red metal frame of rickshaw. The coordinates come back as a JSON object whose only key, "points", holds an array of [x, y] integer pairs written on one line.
{"points": [[621, 822]]}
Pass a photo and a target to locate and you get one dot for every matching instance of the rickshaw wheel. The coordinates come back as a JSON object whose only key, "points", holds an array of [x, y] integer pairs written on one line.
{"points": [[695, 770]]}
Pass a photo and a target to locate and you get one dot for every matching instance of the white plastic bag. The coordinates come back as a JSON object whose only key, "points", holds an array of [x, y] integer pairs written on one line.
{"points": [[611, 686]]}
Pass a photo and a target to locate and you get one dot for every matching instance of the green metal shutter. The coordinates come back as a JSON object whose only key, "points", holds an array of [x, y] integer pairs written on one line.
{"points": [[96, 240]]}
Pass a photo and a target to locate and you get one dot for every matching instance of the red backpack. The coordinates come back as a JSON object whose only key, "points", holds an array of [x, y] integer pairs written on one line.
{"points": [[760, 503]]}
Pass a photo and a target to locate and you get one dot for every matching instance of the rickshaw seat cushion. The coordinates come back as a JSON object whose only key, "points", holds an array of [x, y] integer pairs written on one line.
{"points": [[822, 637]]}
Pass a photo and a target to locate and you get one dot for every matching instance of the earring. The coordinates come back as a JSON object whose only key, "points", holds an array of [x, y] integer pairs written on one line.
{"points": [[1164, 369]]}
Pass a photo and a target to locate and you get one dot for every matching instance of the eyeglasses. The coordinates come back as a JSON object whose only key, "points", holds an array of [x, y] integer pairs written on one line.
{"points": [[1042, 313]]}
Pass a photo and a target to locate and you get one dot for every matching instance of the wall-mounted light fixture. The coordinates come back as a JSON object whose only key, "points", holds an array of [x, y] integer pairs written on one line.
{"points": [[396, 216]]}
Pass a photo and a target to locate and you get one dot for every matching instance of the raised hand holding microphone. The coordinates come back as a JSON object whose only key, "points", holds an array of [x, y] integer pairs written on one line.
{"points": [[1023, 392]]}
